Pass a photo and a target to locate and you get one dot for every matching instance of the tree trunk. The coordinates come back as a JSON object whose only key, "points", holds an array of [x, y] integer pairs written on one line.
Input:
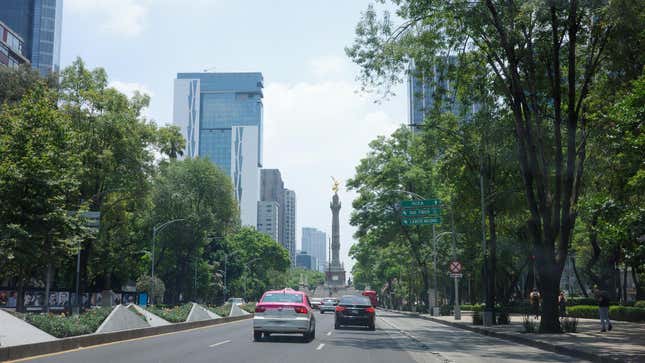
{"points": [[20, 299], [48, 279], [636, 283], [624, 284], [575, 271], [492, 253], [426, 287]]}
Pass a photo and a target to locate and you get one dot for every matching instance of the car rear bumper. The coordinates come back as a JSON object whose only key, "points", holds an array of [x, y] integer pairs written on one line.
{"points": [[366, 321], [275, 325]]}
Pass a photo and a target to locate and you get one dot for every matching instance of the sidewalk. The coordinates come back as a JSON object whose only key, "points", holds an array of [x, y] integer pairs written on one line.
{"points": [[625, 343]]}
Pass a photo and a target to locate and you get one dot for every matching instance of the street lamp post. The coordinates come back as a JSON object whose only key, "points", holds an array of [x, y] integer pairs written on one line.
{"points": [[156, 229]]}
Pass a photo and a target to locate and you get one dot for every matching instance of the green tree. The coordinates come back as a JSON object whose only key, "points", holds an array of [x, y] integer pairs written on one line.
{"points": [[39, 168], [255, 259], [171, 142], [117, 164], [201, 194], [544, 59]]}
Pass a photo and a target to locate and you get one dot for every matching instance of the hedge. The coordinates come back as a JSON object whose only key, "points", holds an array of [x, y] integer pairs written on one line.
{"points": [[176, 314], [223, 310], [640, 304], [61, 326], [248, 307], [624, 313]]}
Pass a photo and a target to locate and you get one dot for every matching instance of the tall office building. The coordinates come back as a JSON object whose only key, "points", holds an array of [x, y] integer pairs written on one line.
{"points": [[11, 45], [314, 242], [38, 22], [272, 189], [431, 90], [268, 220], [290, 223], [220, 116], [306, 261]]}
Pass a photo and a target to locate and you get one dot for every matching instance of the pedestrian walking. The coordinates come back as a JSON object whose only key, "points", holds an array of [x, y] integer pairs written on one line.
{"points": [[534, 298], [603, 310], [562, 304]]}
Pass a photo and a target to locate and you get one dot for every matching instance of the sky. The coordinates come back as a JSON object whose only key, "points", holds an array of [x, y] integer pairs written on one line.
{"points": [[317, 123]]}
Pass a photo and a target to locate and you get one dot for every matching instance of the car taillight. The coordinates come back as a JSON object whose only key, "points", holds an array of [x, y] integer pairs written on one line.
{"points": [[260, 309], [300, 309], [340, 308], [370, 310]]}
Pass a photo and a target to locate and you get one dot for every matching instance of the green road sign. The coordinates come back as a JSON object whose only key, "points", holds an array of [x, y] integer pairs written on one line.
{"points": [[420, 203], [420, 221], [421, 212]]}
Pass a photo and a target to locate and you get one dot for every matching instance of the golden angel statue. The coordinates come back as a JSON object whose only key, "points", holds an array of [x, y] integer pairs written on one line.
{"points": [[336, 184]]}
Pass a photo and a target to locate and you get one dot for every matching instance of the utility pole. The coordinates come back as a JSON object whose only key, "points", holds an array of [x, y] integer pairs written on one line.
{"points": [[488, 315], [434, 252], [457, 307]]}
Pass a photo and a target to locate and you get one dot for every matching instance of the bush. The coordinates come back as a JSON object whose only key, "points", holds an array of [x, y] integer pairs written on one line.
{"points": [[570, 325], [575, 301], [640, 304], [445, 310], [248, 307], [62, 326], [477, 318], [625, 313], [503, 318], [145, 283], [223, 310], [177, 314]]}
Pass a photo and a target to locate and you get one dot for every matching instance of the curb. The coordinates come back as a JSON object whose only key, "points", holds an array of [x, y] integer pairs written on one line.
{"points": [[575, 353], [63, 344]]}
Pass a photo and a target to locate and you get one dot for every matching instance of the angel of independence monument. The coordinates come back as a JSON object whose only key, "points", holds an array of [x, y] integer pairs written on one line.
{"points": [[335, 274]]}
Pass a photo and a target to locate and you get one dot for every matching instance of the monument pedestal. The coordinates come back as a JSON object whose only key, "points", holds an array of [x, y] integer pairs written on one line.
{"points": [[335, 277]]}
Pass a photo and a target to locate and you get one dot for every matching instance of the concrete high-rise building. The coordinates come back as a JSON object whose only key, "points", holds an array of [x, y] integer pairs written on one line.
{"points": [[432, 90], [314, 242], [220, 116], [290, 223], [11, 45], [268, 220], [272, 189], [38, 23]]}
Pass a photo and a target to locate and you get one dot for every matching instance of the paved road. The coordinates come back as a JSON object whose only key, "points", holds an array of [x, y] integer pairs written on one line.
{"points": [[398, 338]]}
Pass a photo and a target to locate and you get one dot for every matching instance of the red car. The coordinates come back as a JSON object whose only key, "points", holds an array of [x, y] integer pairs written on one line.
{"points": [[284, 312], [372, 296]]}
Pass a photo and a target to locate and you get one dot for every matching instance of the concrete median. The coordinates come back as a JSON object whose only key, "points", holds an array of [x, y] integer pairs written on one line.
{"points": [[60, 345]]}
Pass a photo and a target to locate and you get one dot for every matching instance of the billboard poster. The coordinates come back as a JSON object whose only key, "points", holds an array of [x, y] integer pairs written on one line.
{"points": [[63, 299], [53, 299]]}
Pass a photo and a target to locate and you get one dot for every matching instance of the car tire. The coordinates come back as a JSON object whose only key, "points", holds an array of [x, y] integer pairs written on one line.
{"points": [[257, 336]]}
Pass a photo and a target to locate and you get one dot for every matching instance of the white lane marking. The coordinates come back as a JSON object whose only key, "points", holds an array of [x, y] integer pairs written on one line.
{"points": [[220, 343], [320, 346], [329, 333]]}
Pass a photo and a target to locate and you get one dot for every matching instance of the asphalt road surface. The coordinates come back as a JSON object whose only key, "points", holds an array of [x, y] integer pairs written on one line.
{"points": [[398, 338]]}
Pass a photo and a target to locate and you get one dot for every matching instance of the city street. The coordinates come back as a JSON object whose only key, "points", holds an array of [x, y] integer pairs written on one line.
{"points": [[398, 338]]}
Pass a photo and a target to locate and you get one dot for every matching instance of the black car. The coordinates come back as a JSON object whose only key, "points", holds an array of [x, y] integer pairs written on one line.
{"points": [[355, 310]]}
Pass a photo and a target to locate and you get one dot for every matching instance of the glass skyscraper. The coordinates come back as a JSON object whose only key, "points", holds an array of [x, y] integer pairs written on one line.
{"points": [[220, 115], [38, 22]]}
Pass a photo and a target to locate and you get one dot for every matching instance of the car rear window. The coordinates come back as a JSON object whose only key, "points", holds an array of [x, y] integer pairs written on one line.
{"points": [[282, 298], [355, 300]]}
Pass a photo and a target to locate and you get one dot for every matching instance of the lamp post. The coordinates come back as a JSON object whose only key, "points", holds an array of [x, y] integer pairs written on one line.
{"points": [[156, 229]]}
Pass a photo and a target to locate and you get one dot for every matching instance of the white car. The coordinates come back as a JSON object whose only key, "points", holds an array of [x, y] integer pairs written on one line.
{"points": [[315, 302], [328, 304], [284, 312], [236, 301]]}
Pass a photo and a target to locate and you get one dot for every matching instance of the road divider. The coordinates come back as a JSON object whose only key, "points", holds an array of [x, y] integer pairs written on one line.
{"points": [[71, 343]]}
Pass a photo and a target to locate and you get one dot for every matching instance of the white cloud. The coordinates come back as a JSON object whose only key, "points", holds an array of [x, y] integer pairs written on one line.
{"points": [[314, 131], [128, 88], [328, 66], [121, 17]]}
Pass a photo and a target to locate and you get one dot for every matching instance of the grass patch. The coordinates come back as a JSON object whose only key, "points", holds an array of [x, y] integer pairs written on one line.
{"points": [[223, 310], [248, 307], [62, 326], [176, 314], [132, 308]]}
